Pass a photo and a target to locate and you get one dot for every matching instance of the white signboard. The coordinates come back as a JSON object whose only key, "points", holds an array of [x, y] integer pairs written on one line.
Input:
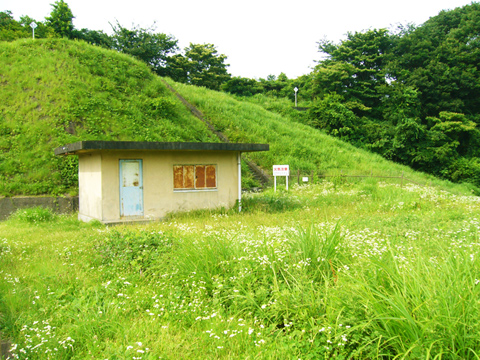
{"points": [[281, 170]]}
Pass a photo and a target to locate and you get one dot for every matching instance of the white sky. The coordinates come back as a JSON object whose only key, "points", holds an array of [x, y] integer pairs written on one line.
{"points": [[259, 37]]}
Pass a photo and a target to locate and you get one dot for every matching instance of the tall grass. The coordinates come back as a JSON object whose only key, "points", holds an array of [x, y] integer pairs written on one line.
{"points": [[350, 270], [428, 307]]}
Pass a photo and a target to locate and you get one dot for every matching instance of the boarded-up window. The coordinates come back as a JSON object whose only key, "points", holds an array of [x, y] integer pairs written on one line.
{"points": [[178, 177], [188, 177], [194, 177], [199, 177], [211, 176]]}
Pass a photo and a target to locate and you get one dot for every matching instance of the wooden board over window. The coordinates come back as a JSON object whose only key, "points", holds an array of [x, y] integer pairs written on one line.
{"points": [[211, 176], [194, 177]]}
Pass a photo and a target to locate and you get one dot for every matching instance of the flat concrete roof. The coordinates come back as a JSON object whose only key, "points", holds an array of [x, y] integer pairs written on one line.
{"points": [[87, 146]]}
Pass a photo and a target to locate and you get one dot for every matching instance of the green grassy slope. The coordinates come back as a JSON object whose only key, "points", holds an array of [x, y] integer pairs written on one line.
{"points": [[58, 91], [302, 147]]}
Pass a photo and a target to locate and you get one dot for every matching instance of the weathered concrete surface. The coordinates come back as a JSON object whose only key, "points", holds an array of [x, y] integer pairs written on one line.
{"points": [[59, 205]]}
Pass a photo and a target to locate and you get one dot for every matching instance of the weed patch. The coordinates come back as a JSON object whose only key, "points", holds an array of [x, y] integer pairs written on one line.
{"points": [[34, 215], [132, 251]]}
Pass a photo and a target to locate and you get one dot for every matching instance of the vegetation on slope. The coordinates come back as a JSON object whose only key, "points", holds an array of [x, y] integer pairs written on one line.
{"points": [[60, 91], [300, 146], [408, 94], [411, 96]]}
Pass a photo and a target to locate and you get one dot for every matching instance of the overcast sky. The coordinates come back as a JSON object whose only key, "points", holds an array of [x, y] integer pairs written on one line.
{"points": [[259, 37]]}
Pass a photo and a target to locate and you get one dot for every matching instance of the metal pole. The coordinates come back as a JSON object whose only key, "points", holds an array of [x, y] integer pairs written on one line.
{"points": [[33, 25], [239, 159]]}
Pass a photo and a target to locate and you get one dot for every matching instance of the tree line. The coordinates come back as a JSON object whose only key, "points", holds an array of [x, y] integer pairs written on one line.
{"points": [[410, 94]]}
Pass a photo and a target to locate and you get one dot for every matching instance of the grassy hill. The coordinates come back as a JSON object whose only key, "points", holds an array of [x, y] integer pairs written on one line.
{"points": [[347, 270], [58, 91], [291, 142]]}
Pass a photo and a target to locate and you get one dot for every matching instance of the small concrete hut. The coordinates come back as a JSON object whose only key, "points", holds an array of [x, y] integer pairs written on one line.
{"points": [[123, 181]]}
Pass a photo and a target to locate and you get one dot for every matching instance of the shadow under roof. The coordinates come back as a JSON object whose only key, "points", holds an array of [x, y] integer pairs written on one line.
{"points": [[87, 146]]}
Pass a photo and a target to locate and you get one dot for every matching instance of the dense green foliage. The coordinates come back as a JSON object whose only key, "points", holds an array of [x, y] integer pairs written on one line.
{"points": [[201, 65], [61, 19], [56, 92], [10, 29], [356, 270], [440, 59], [411, 97], [145, 45], [280, 87]]}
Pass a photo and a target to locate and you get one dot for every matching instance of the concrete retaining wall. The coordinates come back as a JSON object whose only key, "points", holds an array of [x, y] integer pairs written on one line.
{"points": [[59, 205]]}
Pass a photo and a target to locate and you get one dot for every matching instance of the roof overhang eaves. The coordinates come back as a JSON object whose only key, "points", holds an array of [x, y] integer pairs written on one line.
{"points": [[92, 145]]}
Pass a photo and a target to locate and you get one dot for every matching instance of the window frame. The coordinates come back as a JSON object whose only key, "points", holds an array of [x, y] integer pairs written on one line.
{"points": [[191, 182]]}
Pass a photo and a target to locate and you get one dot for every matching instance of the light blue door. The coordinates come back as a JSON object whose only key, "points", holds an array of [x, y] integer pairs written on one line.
{"points": [[131, 188]]}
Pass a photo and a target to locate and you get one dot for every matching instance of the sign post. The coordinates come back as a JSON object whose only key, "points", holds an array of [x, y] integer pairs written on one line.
{"points": [[33, 25], [280, 170]]}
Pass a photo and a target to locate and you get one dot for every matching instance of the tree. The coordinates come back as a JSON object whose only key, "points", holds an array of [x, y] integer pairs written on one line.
{"points": [[414, 93], [408, 145], [201, 65], [330, 115], [357, 66], [242, 86], [440, 59], [61, 19], [94, 37], [145, 45], [10, 29], [458, 131], [332, 76], [399, 101]]}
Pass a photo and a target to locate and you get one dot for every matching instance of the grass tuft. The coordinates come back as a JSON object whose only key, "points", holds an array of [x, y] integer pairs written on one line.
{"points": [[34, 215]]}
